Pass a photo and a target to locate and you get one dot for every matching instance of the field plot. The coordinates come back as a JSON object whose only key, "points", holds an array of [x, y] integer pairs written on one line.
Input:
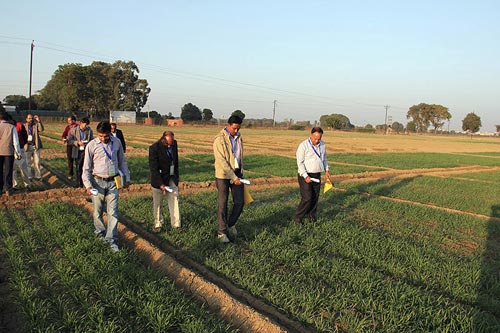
{"points": [[408, 240]]}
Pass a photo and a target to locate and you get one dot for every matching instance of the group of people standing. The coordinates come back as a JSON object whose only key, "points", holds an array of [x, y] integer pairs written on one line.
{"points": [[102, 170], [20, 148], [228, 153]]}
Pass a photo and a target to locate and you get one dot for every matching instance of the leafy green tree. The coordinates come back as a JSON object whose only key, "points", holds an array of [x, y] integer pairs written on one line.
{"points": [[369, 126], [424, 115], [169, 116], [190, 112], [336, 121], [411, 127], [21, 102], [238, 113], [98, 88], [498, 128], [471, 123], [207, 114], [397, 127]]}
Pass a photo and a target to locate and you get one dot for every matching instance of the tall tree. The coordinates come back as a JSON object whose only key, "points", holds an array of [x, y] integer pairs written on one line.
{"points": [[424, 115], [19, 101], [397, 127], [336, 121], [97, 88], [471, 123], [207, 114], [498, 128], [190, 112]]}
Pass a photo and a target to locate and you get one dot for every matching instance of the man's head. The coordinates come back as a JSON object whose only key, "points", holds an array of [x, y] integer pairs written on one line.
{"points": [[4, 115], [316, 134], [84, 123], [113, 127], [233, 125], [168, 138], [29, 118], [71, 120], [103, 131]]}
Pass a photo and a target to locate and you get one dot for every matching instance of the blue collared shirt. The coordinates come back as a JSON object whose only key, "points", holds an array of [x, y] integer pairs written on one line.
{"points": [[311, 159]]}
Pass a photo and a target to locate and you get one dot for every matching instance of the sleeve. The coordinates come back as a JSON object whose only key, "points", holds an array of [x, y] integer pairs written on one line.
{"points": [[325, 160], [122, 163], [176, 164], [15, 140], [88, 165], [300, 155], [154, 166]]}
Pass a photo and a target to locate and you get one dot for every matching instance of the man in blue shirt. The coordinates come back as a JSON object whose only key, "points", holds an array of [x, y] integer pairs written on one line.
{"points": [[104, 161]]}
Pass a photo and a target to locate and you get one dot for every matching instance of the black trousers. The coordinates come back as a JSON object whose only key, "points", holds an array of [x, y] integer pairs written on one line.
{"points": [[69, 156], [80, 160], [6, 168], [223, 186], [309, 196]]}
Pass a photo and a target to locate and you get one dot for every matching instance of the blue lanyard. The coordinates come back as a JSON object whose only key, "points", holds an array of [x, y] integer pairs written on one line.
{"points": [[30, 129], [82, 135], [110, 156], [314, 149]]}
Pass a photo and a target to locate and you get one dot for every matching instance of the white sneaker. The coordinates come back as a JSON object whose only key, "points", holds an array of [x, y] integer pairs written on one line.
{"points": [[223, 238], [114, 247], [232, 231]]}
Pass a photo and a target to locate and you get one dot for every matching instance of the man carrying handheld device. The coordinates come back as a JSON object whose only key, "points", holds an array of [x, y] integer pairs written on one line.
{"points": [[311, 161], [104, 162], [228, 153]]}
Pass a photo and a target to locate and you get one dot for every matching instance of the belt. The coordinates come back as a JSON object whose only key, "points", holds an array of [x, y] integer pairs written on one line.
{"points": [[107, 179]]}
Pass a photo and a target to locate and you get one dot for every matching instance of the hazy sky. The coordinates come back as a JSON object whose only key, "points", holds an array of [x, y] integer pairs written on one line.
{"points": [[312, 57]]}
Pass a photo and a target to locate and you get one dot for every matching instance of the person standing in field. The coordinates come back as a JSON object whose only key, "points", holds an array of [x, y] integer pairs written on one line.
{"points": [[228, 153], [34, 145], [9, 150], [118, 134], [78, 138], [104, 164], [164, 168], [21, 163], [69, 148], [311, 161]]}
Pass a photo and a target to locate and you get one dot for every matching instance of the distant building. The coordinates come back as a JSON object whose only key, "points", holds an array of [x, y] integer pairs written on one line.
{"points": [[175, 122]]}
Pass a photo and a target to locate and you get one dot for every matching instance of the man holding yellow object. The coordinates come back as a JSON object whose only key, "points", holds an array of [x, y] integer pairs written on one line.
{"points": [[311, 161]]}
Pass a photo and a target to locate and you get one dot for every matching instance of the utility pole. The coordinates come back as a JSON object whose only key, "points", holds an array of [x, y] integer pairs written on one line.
{"points": [[274, 113], [31, 74], [386, 108]]}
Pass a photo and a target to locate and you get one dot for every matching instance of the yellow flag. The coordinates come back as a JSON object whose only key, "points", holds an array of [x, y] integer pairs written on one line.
{"points": [[328, 185], [246, 195]]}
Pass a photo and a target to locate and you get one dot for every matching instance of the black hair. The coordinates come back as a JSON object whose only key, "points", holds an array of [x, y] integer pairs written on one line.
{"points": [[316, 129], [234, 120], [103, 127], [85, 120]]}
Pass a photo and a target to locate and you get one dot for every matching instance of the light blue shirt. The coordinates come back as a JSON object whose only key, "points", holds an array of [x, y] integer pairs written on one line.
{"points": [[98, 162], [310, 158]]}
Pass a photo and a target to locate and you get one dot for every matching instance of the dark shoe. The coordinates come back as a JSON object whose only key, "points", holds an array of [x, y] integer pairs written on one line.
{"points": [[156, 229], [312, 219]]}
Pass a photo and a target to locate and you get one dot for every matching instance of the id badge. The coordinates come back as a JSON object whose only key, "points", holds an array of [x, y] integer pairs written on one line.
{"points": [[30, 137], [172, 170], [236, 164], [82, 147]]}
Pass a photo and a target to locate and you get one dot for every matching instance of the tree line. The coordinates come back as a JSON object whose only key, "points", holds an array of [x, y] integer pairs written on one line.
{"points": [[102, 87]]}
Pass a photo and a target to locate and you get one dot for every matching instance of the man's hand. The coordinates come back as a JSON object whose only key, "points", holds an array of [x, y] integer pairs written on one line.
{"points": [[88, 190], [126, 185], [327, 174], [308, 179], [237, 181]]}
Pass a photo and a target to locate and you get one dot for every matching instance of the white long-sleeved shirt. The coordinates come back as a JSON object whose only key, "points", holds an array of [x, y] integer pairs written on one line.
{"points": [[310, 158]]}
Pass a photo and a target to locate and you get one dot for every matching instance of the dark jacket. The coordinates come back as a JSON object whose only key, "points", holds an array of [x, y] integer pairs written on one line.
{"points": [[119, 135], [160, 162]]}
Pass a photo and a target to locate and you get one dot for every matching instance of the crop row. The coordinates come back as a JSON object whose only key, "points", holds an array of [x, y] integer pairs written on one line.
{"points": [[66, 280], [368, 264]]}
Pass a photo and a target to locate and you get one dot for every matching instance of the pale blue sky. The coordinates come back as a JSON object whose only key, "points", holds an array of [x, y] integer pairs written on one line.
{"points": [[313, 57]]}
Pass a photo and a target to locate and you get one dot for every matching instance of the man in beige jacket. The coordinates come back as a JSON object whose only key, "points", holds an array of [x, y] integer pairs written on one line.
{"points": [[228, 153]]}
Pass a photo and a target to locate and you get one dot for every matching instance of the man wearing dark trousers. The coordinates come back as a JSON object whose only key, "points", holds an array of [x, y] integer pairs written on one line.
{"points": [[119, 135], [228, 153], [311, 161], [69, 148]]}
